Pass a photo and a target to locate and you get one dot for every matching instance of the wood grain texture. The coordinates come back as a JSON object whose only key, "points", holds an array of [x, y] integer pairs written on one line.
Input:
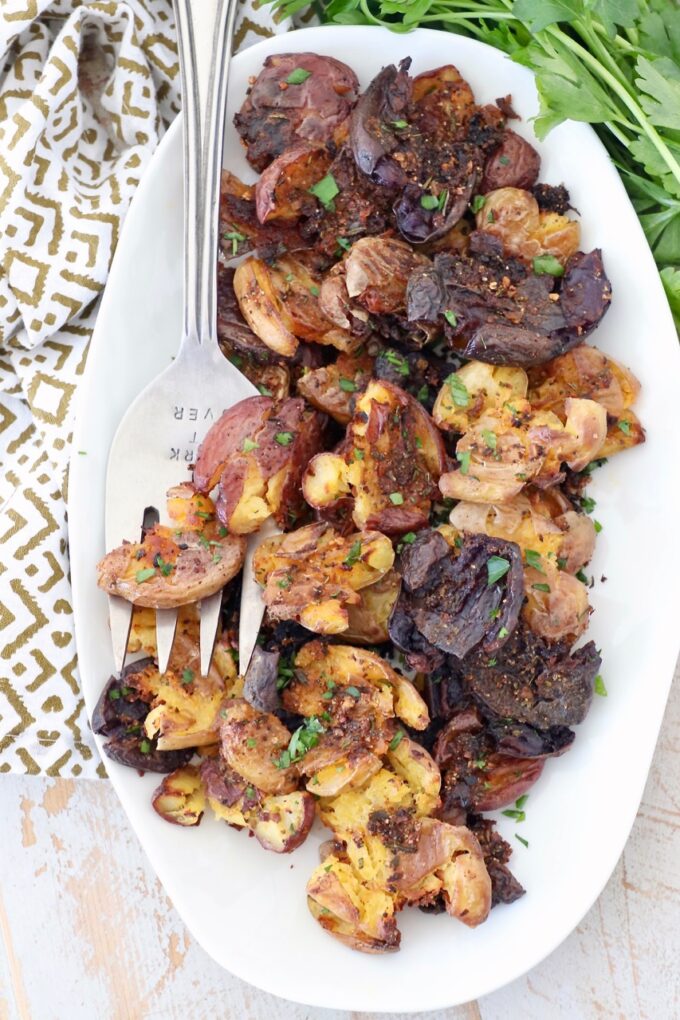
{"points": [[89, 933]]}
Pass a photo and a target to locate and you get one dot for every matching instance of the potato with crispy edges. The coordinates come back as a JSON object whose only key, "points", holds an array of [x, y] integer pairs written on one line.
{"points": [[314, 574], [256, 453], [332, 388], [513, 215], [282, 190], [556, 606], [391, 459], [566, 536], [475, 389], [360, 917], [368, 620], [280, 303], [329, 672], [173, 565], [252, 743], [180, 798]]}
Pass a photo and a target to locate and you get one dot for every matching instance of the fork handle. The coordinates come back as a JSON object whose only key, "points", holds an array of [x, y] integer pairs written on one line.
{"points": [[205, 29]]}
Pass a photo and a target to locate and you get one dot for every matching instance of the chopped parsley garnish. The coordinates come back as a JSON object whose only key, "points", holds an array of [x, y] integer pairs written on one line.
{"points": [[235, 239], [624, 425], [396, 740], [354, 554], [541, 587], [519, 816], [582, 577], [398, 361], [407, 539], [396, 498], [187, 676], [145, 747], [353, 692], [494, 614], [503, 632], [347, 385], [358, 454], [284, 438], [490, 218], [588, 504], [599, 686], [521, 801], [597, 526], [459, 391], [143, 575], [547, 265], [524, 842], [325, 190], [533, 559], [497, 567], [400, 124], [478, 203], [303, 739], [297, 76], [464, 461], [285, 672], [344, 243], [222, 531], [114, 694], [429, 201], [504, 160], [251, 742], [285, 582], [451, 318], [264, 390], [489, 438], [249, 445], [165, 568], [589, 468]]}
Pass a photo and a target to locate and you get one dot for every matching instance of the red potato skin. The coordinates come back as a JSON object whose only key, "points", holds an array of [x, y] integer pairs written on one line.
{"points": [[514, 164], [225, 438], [298, 837], [282, 190]]}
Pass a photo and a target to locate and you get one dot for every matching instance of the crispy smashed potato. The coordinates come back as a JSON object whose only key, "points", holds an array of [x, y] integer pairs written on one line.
{"points": [[513, 445], [314, 574], [174, 564], [252, 743], [256, 453], [513, 215], [282, 190], [556, 604], [394, 455], [475, 389], [280, 303], [332, 388], [180, 798], [368, 619]]}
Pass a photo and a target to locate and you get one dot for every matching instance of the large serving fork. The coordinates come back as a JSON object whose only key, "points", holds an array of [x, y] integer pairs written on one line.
{"points": [[161, 432]]}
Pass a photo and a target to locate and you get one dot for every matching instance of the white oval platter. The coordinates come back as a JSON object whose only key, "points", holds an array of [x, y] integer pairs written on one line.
{"points": [[246, 906]]}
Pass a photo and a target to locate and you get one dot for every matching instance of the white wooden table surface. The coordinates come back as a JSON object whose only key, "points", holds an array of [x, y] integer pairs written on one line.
{"points": [[89, 934]]}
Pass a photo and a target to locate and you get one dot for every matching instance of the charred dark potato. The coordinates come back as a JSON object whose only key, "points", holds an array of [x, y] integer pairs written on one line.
{"points": [[442, 102], [457, 602], [427, 211], [256, 453], [488, 765], [242, 232], [373, 131], [295, 96], [534, 681], [523, 320], [497, 852], [260, 682], [119, 716], [514, 164]]}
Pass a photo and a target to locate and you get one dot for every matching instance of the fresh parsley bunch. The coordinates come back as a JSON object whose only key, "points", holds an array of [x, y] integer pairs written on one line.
{"points": [[611, 63]]}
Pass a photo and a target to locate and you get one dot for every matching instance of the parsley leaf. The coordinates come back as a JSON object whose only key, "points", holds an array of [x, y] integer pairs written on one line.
{"points": [[497, 567]]}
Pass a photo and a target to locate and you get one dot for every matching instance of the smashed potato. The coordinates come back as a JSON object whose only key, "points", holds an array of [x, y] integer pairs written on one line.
{"points": [[174, 564], [475, 389], [314, 574], [332, 388], [180, 798], [255, 453], [252, 743], [513, 215]]}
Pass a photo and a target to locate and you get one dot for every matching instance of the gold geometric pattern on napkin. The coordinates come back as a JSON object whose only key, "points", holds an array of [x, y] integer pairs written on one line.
{"points": [[86, 92]]}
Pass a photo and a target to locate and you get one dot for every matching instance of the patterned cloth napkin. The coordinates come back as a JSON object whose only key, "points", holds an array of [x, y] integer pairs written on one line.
{"points": [[86, 92]]}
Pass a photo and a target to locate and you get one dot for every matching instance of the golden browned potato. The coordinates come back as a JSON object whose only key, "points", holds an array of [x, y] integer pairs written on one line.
{"points": [[368, 620], [443, 98], [623, 432], [282, 190], [252, 744], [465, 879], [332, 388], [262, 308], [349, 769], [173, 565], [256, 453], [583, 372], [556, 604], [512, 215], [180, 798], [355, 672], [567, 536], [416, 766], [326, 480], [475, 389], [360, 917], [313, 574]]}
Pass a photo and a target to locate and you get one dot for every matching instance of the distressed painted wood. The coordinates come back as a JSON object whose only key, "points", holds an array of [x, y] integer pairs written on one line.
{"points": [[89, 934]]}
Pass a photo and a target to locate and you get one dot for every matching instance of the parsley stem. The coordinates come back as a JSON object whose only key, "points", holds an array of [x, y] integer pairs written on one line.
{"points": [[623, 94]]}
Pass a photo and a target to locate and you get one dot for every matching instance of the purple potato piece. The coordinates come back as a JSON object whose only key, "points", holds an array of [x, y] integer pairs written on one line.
{"points": [[514, 164], [425, 295], [533, 681], [457, 183], [232, 328], [276, 113], [126, 749], [372, 136], [418, 559], [523, 741], [260, 682], [116, 708], [224, 785], [420, 654], [552, 198], [497, 852], [586, 292]]}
